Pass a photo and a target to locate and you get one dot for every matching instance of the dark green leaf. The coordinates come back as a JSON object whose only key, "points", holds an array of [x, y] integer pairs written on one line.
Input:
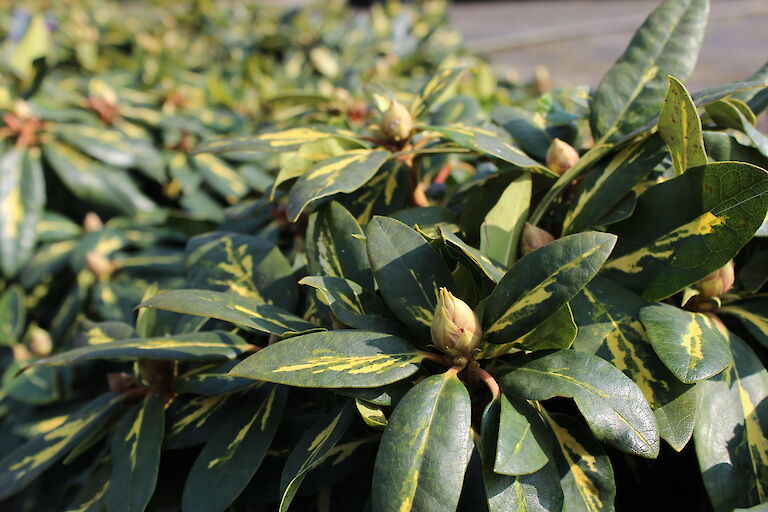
{"points": [[690, 344], [731, 434], [542, 282], [424, 451], [13, 315], [313, 447], [230, 308], [235, 451], [700, 218], [519, 450], [136, 456], [409, 272], [333, 359], [632, 91]]}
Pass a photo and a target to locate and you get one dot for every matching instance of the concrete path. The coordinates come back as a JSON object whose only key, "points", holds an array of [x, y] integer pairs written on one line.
{"points": [[578, 40]]}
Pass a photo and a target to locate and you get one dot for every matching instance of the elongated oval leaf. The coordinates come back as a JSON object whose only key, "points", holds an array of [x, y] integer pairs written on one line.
{"points": [[611, 403], [13, 315], [688, 227], [283, 140], [731, 434], [542, 282], [556, 332], [199, 346], [344, 173], [689, 344], [234, 452], [503, 225], [22, 197], [136, 456], [610, 180], [423, 453], [632, 91], [434, 89], [474, 257], [230, 308], [313, 447], [680, 127], [334, 359], [535, 492], [25, 463], [753, 314], [409, 272], [335, 246]]}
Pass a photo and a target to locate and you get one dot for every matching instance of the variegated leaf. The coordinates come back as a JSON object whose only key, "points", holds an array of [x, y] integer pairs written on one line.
{"points": [[235, 451], [542, 282], [503, 225], [283, 140], [680, 127], [136, 456], [312, 449], [556, 332], [690, 344], [731, 434], [423, 453], [238, 310], [663, 248], [611, 403], [409, 272], [336, 359], [633, 89], [753, 313], [434, 89], [341, 174], [249, 266], [27, 462]]}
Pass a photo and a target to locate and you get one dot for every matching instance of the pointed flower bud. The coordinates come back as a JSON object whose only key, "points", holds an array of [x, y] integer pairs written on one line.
{"points": [[533, 238], [99, 265], [397, 122], [455, 328], [718, 282], [92, 222], [561, 156]]}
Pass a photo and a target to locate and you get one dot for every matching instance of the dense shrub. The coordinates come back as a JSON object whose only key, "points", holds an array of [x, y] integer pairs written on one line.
{"points": [[257, 259]]}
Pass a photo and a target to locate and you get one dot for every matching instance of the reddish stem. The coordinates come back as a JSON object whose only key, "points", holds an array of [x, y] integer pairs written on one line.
{"points": [[435, 357], [489, 381]]}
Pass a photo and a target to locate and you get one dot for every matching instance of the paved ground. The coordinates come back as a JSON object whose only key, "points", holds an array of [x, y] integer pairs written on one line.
{"points": [[578, 40]]}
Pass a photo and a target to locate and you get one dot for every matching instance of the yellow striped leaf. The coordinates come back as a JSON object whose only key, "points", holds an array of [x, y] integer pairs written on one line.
{"points": [[313, 447], [199, 346], [632, 91], [537, 491], [136, 456], [283, 140], [587, 475], [341, 174], [193, 419], [731, 435], [690, 344], [248, 266], [680, 127], [423, 453], [664, 248], [434, 90], [556, 332], [234, 452], [28, 461], [241, 311], [336, 359], [753, 313], [542, 282], [22, 197], [609, 327]]}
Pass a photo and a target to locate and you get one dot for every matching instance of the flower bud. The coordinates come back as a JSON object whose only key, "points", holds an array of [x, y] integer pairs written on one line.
{"points": [[92, 222], [40, 342], [99, 265], [561, 156], [397, 122], [718, 282], [455, 328], [533, 238]]}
